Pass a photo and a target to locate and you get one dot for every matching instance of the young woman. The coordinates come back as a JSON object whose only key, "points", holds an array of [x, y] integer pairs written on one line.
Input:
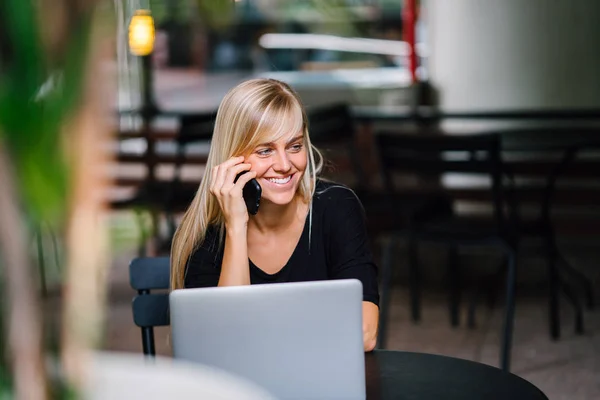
{"points": [[306, 229]]}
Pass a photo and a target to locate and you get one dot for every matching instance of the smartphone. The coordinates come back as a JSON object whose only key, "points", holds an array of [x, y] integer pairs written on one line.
{"points": [[251, 193]]}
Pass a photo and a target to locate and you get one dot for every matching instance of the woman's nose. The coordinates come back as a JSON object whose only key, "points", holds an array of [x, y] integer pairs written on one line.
{"points": [[282, 162]]}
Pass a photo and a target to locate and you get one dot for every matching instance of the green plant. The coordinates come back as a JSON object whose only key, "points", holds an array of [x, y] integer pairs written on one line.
{"points": [[43, 69]]}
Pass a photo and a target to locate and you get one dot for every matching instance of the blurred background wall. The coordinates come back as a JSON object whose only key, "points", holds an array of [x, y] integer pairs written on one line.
{"points": [[514, 54]]}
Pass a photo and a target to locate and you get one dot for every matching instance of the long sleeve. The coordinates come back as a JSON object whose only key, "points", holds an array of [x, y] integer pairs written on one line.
{"points": [[349, 250]]}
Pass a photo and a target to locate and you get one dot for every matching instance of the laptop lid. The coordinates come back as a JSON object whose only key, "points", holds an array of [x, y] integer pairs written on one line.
{"points": [[297, 340]]}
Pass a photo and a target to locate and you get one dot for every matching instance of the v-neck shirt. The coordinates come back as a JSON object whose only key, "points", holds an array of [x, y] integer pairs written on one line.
{"points": [[283, 270], [333, 245]]}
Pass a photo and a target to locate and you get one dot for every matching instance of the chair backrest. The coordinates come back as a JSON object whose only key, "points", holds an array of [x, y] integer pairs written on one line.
{"points": [[150, 309], [332, 126], [553, 172], [435, 155], [196, 127], [193, 128], [330, 123]]}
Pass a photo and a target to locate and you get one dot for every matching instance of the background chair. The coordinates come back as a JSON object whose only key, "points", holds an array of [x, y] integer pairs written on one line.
{"points": [[150, 309], [430, 157], [547, 175], [169, 197], [333, 132]]}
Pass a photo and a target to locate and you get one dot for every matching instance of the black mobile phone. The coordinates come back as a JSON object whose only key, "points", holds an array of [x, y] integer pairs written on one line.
{"points": [[251, 192]]}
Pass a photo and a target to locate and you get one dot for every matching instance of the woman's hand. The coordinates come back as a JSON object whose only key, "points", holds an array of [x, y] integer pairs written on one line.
{"points": [[370, 325], [229, 194]]}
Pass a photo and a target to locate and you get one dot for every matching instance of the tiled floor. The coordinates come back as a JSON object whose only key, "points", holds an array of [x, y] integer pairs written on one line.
{"points": [[564, 369]]}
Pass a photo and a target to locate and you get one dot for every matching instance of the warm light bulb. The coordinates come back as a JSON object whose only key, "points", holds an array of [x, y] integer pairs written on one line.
{"points": [[141, 33]]}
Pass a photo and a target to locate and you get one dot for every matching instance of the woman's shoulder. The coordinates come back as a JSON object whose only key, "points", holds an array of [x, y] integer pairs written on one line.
{"points": [[329, 193], [338, 207]]}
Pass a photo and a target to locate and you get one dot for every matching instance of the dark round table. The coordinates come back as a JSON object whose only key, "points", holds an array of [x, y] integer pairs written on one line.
{"points": [[405, 375]]}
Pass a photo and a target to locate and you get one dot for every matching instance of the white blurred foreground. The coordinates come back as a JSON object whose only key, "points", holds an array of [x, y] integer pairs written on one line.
{"points": [[131, 376]]}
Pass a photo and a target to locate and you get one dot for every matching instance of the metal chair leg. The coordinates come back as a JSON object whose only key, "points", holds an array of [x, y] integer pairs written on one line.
{"points": [[454, 280], [586, 283], [554, 286], [488, 291], [384, 303], [509, 316], [568, 291], [414, 280], [148, 341], [493, 289], [472, 308]]}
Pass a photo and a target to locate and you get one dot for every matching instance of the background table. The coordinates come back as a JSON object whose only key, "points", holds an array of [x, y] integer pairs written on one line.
{"points": [[404, 375]]}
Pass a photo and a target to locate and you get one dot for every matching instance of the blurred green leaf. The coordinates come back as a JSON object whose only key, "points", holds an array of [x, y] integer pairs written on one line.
{"points": [[23, 33], [216, 14], [37, 98], [34, 105]]}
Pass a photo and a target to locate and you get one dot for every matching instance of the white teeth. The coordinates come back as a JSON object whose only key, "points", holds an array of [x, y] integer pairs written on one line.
{"points": [[280, 181]]}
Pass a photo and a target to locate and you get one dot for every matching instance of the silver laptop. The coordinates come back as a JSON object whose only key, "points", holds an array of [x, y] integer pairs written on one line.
{"points": [[296, 340]]}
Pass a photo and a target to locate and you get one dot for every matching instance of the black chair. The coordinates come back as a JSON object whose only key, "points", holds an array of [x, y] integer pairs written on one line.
{"points": [[429, 157], [150, 309], [558, 147], [333, 132]]}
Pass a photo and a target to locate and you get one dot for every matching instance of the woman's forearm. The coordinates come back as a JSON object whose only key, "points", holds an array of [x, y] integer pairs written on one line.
{"points": [[235, 269], [370, 325]]}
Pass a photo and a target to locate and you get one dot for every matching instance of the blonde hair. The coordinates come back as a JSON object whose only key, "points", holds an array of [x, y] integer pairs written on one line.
{"points": [[254, 112]]}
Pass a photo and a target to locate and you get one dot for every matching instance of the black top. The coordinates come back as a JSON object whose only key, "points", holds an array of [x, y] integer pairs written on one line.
{"points": [[336, 246], [403, 375]]}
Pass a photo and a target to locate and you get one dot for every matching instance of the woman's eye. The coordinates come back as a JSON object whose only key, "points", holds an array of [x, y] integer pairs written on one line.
{"points": [[296, 147], [263, 152]]}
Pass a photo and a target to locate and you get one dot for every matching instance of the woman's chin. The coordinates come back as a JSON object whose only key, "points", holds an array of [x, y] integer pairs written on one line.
{"points": [[279, 199]]}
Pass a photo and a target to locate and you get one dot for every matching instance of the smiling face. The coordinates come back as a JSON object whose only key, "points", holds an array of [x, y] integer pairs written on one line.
{"points": [[264, 121], [280, 167]]}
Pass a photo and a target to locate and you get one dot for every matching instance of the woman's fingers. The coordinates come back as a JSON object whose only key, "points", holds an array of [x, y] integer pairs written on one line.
{"points": [[244, 178], [220, 171], [227, 192], [229, 182]]}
